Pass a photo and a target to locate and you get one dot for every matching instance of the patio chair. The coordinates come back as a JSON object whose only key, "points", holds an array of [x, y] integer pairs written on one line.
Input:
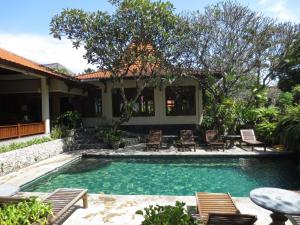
{"points": [[61, 200], [213, 140], [220, 209], [187, 139], [248, 136], [154, 139]]}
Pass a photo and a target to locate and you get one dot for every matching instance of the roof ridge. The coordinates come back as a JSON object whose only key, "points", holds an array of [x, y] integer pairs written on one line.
{"points": [[14, 54]]}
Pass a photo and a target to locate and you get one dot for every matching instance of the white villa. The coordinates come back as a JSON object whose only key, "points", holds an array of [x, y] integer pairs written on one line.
{"points": [[31, 95]]}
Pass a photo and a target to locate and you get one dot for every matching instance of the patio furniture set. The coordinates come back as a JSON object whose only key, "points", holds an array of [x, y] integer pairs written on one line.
{"points": [[213, 208], [212, 137]]}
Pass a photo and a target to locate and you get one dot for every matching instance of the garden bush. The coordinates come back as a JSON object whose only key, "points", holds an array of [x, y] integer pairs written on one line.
{"points": [[166, 215], [288, 128], [25, 213], [17, 145]]}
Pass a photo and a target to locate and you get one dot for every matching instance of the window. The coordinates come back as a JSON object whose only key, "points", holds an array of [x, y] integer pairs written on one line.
{"points": [[180, 101], [144, 106]]}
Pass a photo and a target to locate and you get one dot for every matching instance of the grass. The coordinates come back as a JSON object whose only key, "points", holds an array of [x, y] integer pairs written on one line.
{"points": [[14, 146]]}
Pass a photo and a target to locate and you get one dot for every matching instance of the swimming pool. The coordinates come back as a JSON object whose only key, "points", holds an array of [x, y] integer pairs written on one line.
{"points": [[129, 176]]}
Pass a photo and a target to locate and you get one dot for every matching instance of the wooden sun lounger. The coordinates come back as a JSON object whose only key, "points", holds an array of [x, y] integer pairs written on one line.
{"points": [[219, 208], [187, 139], [248, 136], [212, 139], [154, 139], [61, 200]]}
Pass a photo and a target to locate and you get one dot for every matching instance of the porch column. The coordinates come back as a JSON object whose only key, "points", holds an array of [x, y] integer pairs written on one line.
{"points": [[45, 104]]}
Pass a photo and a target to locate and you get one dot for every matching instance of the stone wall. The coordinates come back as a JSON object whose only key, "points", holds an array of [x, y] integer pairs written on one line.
{"points": [[20, 158]]}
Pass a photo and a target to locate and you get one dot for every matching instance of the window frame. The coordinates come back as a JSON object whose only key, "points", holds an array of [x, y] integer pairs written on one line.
{"points": [[171, 91], [117, 101]]}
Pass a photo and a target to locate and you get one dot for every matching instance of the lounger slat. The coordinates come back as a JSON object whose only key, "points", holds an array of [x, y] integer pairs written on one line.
{"points": [[63, 199]]}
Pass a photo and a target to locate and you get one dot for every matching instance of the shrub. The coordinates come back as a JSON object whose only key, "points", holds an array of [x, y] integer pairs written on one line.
{"points": [[285, 99], [265, 131], [58, 132], [70, 120], [25, 213], [288, 128], [110, 136], [14, 146], [166, 215]]}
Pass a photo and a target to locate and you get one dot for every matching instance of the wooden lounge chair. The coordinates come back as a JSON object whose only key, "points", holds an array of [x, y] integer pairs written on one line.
{"points": [[187, 139], [213, 141], [220, 209], [61, 200], [248, 136], [154, 139]]}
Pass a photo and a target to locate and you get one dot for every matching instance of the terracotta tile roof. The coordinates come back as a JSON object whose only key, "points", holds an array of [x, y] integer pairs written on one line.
{"points": [[106, 74], [94, 75], [10, 59]]}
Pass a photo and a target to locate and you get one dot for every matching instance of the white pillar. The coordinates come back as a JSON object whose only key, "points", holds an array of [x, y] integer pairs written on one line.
{"points": [[45, 104]]}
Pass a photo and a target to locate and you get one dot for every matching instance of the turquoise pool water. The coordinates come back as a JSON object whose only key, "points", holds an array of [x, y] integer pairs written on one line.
{"points": [[173, 176]]}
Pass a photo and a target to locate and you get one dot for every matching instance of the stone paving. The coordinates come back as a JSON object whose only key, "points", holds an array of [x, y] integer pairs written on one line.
{"points": [[120, 209]]}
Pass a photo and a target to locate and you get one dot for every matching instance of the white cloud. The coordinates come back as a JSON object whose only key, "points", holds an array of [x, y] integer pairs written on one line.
{"points": [[279, 9], [45, 49]]}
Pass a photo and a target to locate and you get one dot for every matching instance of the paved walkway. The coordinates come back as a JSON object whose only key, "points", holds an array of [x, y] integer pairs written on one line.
{"points": [[120, 209]]}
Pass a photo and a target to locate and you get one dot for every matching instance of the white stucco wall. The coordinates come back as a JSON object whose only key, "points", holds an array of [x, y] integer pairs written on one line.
{"points": [[160, 117], [29, 84]]}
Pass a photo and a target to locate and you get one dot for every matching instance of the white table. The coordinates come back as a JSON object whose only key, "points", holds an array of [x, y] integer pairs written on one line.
{"points": [[281, 202]]}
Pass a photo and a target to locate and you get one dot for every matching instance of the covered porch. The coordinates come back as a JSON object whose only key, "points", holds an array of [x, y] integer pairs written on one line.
{"points": [[31, 95]]}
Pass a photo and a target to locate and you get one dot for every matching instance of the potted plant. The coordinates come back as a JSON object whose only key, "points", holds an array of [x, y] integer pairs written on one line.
{"points": [[115, 140]]}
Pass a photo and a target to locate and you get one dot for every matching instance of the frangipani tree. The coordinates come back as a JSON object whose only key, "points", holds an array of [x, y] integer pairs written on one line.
{"points": [[137, 40]]}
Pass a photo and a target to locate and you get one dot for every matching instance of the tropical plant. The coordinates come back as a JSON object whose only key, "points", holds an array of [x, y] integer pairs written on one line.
{"points": [[285, 99], [68, 120], [288, 128], [265, 131], [58, 131], [166, 215], [32, 211], [111, 137]]}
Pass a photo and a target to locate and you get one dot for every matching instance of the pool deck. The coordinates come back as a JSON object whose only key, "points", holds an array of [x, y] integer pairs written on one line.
{"points": [[117, 210], [120, 209]]}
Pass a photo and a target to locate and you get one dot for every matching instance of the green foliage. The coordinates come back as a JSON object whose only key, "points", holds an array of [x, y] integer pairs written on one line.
{"points": [[265, 131], [25, 213], [285, 99], [139, 34], [288, 128], [58, 132], [111, 137], [17, 145], [166, 215], [288, 70], [264, 114], [296, 93], [69, 120]]}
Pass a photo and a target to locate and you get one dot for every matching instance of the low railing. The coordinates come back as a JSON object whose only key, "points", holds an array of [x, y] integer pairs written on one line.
{"points": [[20, 130]]}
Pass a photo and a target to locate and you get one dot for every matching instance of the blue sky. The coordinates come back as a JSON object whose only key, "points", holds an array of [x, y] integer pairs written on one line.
{"points": [[24, 25]]}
